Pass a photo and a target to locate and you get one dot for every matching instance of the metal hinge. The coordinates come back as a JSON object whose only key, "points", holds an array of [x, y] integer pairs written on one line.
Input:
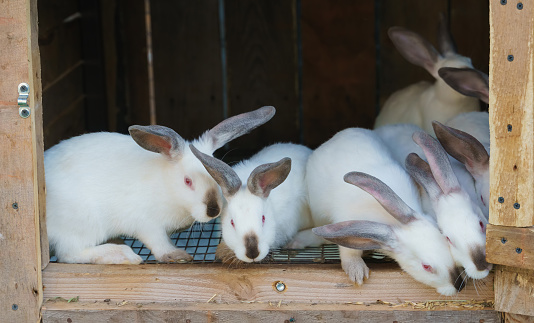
{"points": [[24, 93]]}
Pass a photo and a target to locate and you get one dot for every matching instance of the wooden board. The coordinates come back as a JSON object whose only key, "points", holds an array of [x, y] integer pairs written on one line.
{"points": [[338, 83], [187, 65], [198, 283], [261, 48], [21, 173], [510, 246], [517, 318], [512, 114], [514, 290], [61, 311]]}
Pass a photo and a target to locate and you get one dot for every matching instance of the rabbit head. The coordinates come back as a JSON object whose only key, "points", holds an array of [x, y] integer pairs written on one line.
{"points": [[188, 178], [415, 242], [459, 218], [246, 228]]}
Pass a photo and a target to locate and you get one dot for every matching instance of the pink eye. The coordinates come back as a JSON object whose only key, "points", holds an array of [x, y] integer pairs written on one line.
{"points": [[232, 223], [262, 219], [427, 268], [188, 181], [481, 225]]}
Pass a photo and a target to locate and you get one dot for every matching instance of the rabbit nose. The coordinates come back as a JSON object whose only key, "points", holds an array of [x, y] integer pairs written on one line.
{"points": [[212, 204], [478, 255], [457, 279], [251, 246]]}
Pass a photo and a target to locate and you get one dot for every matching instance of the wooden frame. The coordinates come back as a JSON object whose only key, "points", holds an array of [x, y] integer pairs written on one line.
{"points": [[215, 292]]}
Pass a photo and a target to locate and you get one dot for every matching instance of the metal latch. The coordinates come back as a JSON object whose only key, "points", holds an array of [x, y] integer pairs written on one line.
{"points": [[24, 93]]}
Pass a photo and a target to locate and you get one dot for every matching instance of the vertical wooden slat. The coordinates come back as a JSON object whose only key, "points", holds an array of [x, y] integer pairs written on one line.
{"points": [[512, 114], [338, 67], [262, 64], [187, 65], [21, 174], [513, 290]]}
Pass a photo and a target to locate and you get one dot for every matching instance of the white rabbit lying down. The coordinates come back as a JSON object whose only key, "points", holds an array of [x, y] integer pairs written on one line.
{"points": [[383, 211], [102, 185], [271, 208]]}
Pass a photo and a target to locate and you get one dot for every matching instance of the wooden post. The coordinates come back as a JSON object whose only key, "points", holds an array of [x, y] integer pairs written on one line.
{"points": [[21, 173], [510, 233]]}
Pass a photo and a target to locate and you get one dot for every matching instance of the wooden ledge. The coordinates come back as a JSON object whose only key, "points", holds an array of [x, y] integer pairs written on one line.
{"points": [[178, 283], [510, 246]]}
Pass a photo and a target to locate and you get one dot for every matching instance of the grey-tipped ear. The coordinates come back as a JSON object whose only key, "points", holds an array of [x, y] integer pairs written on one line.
{"points": [[438, 161], [238, 125], [446, 42], [420, 171], [364, 235], [266, 177], [389, 200], [467, 81], [464, 147], [414, 48], [223, 174], [158, 139]]}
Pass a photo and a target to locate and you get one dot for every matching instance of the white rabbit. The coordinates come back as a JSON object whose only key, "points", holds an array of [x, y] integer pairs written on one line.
{"points": [[459, 218], [103, 185], [271, 208], [421, 103], [393, 223]]}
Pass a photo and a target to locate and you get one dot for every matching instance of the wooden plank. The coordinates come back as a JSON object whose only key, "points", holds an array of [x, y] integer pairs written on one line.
{"points": [[510, 246], [108, 15], [517, 318], [512, 114], [420, 16], [338, 49], [21, 173], [514, 290], [187, 65], [274, 312], [198, 283], [261, 46], [69, 123]]}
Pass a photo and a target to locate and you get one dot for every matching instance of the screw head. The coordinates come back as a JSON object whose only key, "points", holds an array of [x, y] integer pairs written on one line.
{"points": [[291, 320], [503, 2], [14, 307], [501, 199], [503, 240], [519, 5], [517, 206], [510, 58], [15, 206], [518, 250], [23, 88], [280, 286], [509, 127], [24, 112]]}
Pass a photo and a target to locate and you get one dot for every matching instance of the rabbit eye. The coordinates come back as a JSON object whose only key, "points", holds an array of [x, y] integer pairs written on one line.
{"points": [[481, 225], [428, 268], [188, 181], [262, 219], [232, 223]]}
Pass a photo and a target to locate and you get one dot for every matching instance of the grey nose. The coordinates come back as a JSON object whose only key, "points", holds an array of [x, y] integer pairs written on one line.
{"points": [[212, 204], [251, 246]]}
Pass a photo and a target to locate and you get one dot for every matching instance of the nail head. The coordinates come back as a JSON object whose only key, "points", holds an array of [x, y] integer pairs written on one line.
{"points": [[15, 205], [518, 250], [503, 240], [503, 2], [501, 199], [509, 127], [14, 307], [279, 286], [510, 58], [517, 206], [519, 5]]}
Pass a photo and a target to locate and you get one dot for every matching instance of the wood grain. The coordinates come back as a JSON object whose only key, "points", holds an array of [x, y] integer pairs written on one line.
{"points": [[514, 290], [198, 283], [187, 65], [61, 311], [21, 173], [338, 51], [261, 44], [510, 246], [512, 114], [517, 318]]}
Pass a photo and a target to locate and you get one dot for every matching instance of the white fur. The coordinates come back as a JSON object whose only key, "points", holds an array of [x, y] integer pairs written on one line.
{"points": [[286, 208], [332, 201]]}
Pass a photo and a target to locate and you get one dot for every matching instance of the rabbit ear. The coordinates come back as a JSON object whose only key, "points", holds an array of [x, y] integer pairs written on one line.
{"points": [[447, 46], [468, 81], [421, 172], [266, 177], [414, 48], [223, 174], [158, 139], [464, 147], [237, 126], [438, 161], [364, 235], [390, 201]]}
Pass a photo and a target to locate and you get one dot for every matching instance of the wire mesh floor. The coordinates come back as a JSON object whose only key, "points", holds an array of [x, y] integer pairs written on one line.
{"points": [[201, 241]]}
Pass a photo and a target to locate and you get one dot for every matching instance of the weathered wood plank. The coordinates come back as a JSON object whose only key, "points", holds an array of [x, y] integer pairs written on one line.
{"points": [[21, 173], [261, 46], [510, 246], [517, 318], [198, 283], [338, 49], [514, 290], [244, 312], [187, 65], [512, 114]]}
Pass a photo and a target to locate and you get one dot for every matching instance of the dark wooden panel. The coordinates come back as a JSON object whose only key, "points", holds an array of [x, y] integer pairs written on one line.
{"points": [[69, 123], [338, 67], [262, 63], [187, 65], [53, 13], [420, 16]]}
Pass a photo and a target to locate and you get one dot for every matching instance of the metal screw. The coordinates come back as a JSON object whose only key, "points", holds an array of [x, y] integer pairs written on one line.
{"points": [[518, 250], [23, 88], [503, 2], [501, 199], [503, 240], [24, 112], [510, 58], [519, 5], [517, 206], [280, 287], [509, 128], [291, 320], [15, 205], [14, 307]]}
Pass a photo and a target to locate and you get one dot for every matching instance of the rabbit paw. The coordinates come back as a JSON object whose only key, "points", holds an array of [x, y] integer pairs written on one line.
{"points": [[116, 254], [178, 255], [356, 269]]}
